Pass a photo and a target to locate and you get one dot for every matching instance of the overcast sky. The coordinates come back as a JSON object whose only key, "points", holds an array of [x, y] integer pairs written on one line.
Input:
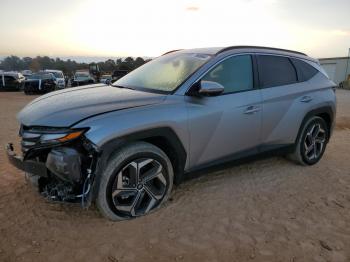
{"points": [[320, 28]]}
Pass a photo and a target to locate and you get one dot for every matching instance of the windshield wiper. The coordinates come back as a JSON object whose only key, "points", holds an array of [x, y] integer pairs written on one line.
{"points": [[126, 87]]}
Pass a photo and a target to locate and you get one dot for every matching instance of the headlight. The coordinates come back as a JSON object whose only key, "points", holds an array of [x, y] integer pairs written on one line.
{"points": [[46, 137], [60, 137]]}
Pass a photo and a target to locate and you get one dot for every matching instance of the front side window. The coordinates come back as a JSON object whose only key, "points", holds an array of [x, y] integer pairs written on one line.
{"points": [[165, 73], [235, 74], [275, 71]]}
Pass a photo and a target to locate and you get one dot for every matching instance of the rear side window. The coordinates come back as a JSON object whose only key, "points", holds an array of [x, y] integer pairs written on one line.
{"points": [[234, 74], [275, 71], [304, 70]]}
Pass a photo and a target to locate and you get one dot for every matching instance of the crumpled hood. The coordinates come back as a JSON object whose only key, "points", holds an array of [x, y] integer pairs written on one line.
{"points": [[65, 107]]}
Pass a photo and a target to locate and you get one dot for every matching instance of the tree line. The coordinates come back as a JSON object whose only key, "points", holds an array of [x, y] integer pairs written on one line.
{"points": [[15, 63]]}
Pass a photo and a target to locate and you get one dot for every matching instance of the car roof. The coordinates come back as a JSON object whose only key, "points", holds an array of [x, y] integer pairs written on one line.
{"points": [[9, 73], [43, 74], [260, 48], [207, 51], [236, 49], [53, 71]]}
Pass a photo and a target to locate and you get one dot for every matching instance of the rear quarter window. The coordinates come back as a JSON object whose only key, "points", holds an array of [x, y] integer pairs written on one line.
{"points": [[304, 70], [275, 71]]}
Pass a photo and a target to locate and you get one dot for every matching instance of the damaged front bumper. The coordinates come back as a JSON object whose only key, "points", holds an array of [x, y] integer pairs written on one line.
{"points": [[31, 167], [62, 173]]}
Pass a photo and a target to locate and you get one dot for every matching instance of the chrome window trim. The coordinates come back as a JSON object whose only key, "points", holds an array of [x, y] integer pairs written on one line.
{"points": [[251, 54]]}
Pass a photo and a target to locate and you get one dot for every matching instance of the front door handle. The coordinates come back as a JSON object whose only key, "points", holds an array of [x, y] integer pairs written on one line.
{"points": [[252, 110], [306, 99]]}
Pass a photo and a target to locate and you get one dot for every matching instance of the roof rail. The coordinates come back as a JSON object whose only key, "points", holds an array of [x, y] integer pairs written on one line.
{"points": [[171, 51], [259, 47]]}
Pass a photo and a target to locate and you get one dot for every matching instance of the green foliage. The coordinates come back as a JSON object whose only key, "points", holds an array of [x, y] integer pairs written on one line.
{"points": [[15, 63]]}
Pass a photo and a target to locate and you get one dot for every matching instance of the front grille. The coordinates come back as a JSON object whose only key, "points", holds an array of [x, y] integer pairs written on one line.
{"points": [[47, 85], [31, 136], [31, 86], [29, 140]]}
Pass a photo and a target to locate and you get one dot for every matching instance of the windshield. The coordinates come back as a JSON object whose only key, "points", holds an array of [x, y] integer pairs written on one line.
{"points": [[81, 75], [40, 76], [57, 74], [164, 73], [33, 77]]}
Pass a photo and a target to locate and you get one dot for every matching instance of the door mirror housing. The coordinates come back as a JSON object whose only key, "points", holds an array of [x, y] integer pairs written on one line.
{"points": [[210, 88]]}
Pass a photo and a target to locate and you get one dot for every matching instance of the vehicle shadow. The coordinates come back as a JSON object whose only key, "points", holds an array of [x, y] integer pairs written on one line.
{"points": [[233, 163]]}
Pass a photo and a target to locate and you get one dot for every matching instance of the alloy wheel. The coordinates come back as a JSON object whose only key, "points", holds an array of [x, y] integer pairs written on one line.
{"points": [[314, 142], [139, 187]]}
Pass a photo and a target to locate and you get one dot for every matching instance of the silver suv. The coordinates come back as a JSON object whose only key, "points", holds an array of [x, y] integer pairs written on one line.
{"points": [[124, 145]]}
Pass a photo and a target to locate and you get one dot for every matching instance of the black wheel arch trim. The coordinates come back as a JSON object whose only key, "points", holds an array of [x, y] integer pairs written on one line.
{"points": [[107, 149], [316, 112]]}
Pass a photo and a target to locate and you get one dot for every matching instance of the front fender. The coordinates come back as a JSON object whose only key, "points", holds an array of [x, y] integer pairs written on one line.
{"points": [[138, 123]]}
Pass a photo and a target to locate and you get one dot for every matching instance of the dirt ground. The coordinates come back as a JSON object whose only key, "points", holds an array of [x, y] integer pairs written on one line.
{"points": [[265, 210]]}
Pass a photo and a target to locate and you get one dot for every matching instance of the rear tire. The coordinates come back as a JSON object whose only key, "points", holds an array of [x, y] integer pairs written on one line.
{"points": [[311, 142], [137, 180]]}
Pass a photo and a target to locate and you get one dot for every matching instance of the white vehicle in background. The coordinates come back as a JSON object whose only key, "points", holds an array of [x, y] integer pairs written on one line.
{"points": [[106, 79], [26, 73], [58, 74]]}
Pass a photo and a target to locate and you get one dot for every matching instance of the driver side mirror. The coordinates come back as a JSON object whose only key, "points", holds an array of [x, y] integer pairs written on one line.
{"points": [[210, 88]]}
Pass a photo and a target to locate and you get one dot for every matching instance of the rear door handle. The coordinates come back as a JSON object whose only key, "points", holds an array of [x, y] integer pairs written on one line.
{"points": [[252, 110], [306, 99]]}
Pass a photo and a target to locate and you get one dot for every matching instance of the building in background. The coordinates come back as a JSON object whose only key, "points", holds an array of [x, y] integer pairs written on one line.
{"points": [[337, 68]]}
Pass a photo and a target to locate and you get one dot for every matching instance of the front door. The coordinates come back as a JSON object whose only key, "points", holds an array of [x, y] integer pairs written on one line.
{"points": [[228, 124]]}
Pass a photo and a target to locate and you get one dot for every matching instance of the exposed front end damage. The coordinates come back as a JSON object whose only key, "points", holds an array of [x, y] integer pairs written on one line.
{"points": [[61, 162]]}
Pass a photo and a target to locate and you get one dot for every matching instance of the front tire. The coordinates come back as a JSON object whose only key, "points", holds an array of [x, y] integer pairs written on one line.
{"points": [[311, 142], [137, 180]]}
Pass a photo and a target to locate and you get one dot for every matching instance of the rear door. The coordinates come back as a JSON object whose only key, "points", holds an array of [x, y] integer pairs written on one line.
{"points": [[285, 99], [228, 124], [10, 82]]}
